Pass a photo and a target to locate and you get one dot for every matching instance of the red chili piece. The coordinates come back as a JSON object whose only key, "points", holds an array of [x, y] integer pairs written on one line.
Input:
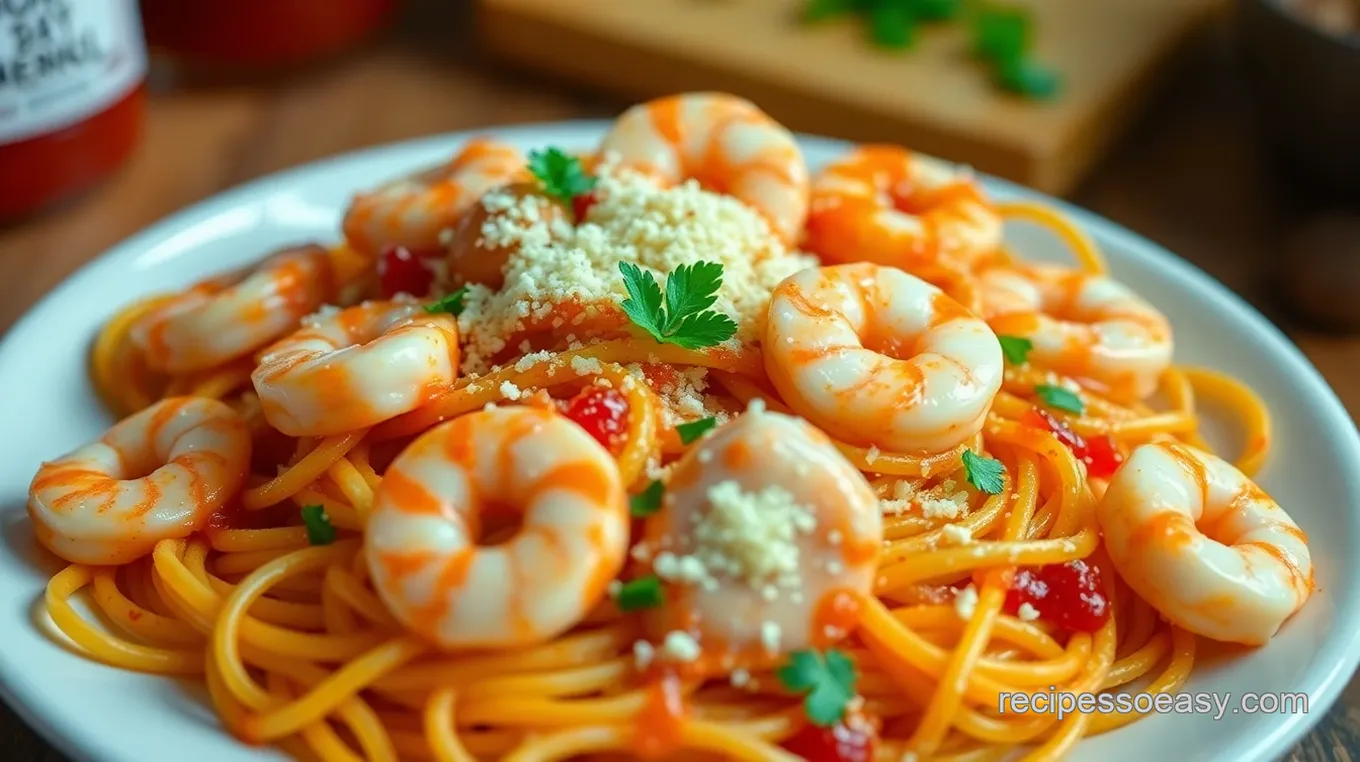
{"points": [[581, 203]]}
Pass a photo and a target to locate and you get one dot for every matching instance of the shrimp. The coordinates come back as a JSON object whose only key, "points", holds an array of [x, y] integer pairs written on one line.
{"points": [[157, 475], [877, 357], [229, 317], [356, 368], [1204, 545], [886, 205], [421, 543], [414, 211], [1082, 325], [768, 536], [725, 143]]}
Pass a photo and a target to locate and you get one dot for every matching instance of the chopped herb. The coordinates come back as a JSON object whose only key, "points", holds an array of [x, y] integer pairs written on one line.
{"points": [[827, 683], [1060, 398], [1002, 33], [561, 174], [1027, 78], [648, 501], [320, 531], [1015, 348], [641, 593], [987, 474], [685, 320], [820, 10], [891, 25], [694, 429], [935, 10], [452, 304]]}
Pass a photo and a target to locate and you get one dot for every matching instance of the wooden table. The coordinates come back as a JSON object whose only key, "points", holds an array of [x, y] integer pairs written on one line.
{"points": [[1190, 178]]}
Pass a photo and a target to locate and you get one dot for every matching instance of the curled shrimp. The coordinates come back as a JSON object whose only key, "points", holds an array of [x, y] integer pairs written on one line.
{"points": [[877, 357], [768, 535], [229, 317], [421, 543], [1204, 545], [157, 475], [1083, 325], [886, 205], [725, 143], [415, 211], [356, 368]]}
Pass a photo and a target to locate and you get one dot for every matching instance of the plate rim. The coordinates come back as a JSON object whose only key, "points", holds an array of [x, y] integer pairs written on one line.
{"points": [[1286, 729]]}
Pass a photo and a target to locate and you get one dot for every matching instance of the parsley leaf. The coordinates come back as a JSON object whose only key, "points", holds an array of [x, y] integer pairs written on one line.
{"points": [[452, 304], [320, 531], [685, 320], [641, 593], [818, 10], [561, 174], [827, 683], [1060, 398], [643, 305], [702, 330], [891, 25], [694, 429], [648, 501], [987, 474], [1015, 348]]}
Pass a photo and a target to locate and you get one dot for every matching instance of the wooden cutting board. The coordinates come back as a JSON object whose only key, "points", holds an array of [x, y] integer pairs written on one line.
{"points": [[828, 79]]}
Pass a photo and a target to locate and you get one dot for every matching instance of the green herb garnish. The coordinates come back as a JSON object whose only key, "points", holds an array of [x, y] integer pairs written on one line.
{"points": [[1015, 348], [1003, 36], [641, 593], [320, 531], [1059, 398], [685, 320], [694, 429], [561, 174], [986, 474], [452, 304], [648, 501], [827, 683]]}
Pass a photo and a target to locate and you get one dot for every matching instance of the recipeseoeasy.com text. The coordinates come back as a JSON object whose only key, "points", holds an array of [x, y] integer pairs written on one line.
{"points": [[1214, 705]]}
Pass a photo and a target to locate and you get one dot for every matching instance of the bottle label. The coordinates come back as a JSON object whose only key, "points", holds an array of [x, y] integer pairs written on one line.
{"points": [[62, 61]]}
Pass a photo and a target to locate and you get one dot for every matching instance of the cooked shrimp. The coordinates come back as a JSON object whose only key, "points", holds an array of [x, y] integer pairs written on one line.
{"points": [[877, 357], [490, 231], [229, 317], [1082, 325], [725, 143], [1204, 545], [766, 538], [156, 475], [414, 211], [421, 542], [356, 368], [886, 205]]}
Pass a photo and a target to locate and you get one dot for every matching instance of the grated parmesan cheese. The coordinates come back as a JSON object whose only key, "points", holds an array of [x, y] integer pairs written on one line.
{"points": [[956, 534], [643, 653], [510, 391], [770, 635], [753, 536], [586, 366], [680, 646], [558, 273], [1027, 613], [965, 602]]}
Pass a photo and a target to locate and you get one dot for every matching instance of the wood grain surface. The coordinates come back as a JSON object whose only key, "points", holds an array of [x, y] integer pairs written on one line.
{"points": [[1190, 177], [826, 79]]}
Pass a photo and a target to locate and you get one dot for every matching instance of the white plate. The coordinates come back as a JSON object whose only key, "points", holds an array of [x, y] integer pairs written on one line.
{"points": [[97, 713]]}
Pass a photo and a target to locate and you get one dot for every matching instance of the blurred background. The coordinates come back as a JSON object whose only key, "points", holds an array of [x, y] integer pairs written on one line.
{"points": [[1228, 131]]}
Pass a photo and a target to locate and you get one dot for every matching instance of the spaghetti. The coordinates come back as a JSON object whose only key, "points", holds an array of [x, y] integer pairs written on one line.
{"points": [[986, 572]]}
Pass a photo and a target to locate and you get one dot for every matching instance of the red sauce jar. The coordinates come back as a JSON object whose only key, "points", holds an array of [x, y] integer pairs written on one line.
{"points": [[260, 33], [72, 92]]}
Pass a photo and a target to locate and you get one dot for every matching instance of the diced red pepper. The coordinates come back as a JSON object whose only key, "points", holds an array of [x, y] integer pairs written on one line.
{"points": [[1099, 454], [402, 272], [853, 739], [581, 203], [602, 412], [1070, 595]]}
